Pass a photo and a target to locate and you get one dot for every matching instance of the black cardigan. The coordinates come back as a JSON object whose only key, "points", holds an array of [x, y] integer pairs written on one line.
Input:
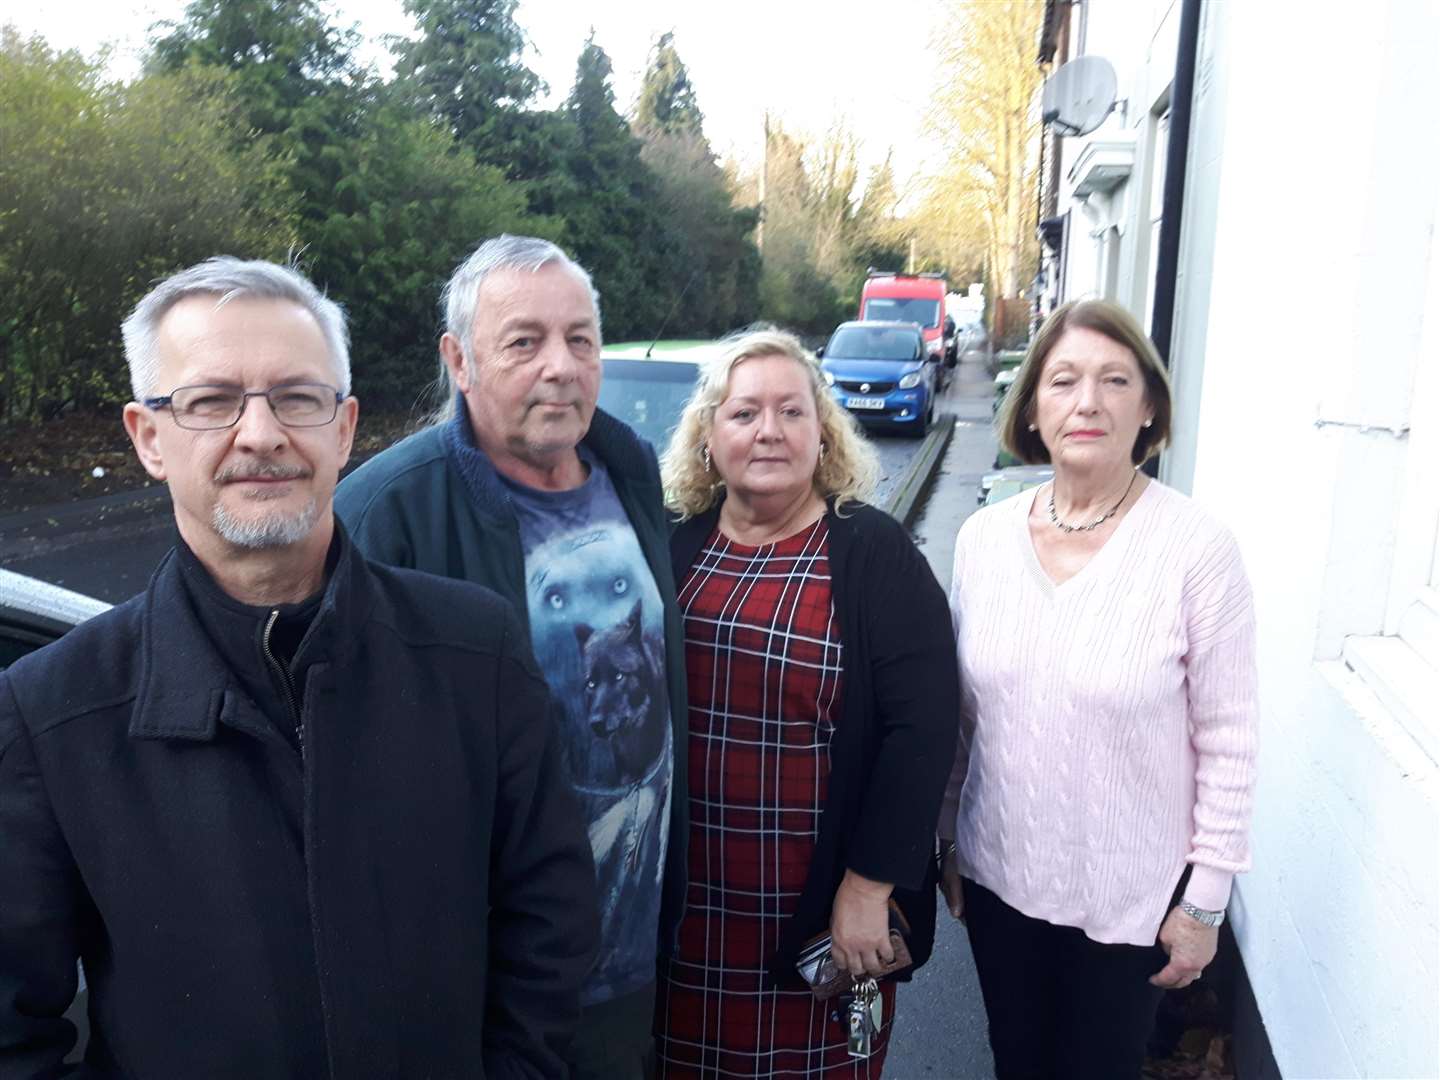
{"points": [[893, 746]]}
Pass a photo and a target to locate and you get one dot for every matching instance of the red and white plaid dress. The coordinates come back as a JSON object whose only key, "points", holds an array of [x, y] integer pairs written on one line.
{"points": [[762, 657]]}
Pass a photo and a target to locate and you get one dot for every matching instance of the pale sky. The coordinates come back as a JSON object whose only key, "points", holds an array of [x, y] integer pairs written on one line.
{"points": [[811, 65]]}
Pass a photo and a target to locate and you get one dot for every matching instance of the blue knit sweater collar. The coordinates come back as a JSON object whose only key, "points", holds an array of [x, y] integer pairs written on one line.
{"points": [[614, 444], [481, 480]]}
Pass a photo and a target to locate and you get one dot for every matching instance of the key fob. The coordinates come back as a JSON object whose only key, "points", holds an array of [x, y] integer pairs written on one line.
{"points": [[861, 1019]]}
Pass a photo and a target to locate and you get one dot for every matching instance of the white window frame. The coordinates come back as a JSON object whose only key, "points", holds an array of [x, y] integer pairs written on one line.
{"points": [[1402, 664]]}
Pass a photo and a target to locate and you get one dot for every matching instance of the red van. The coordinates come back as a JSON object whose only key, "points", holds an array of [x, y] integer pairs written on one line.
{"points": [[888, 296]]}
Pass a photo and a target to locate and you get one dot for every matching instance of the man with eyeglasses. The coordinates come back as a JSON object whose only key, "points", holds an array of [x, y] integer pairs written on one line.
{"points": [[297, 814]]}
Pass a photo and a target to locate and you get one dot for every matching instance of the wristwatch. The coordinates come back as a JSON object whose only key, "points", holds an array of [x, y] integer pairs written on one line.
{"points": [[1200, 915]]}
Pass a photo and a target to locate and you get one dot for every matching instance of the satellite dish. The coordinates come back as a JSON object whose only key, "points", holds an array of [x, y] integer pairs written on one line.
{"points": [[1079, 96]]}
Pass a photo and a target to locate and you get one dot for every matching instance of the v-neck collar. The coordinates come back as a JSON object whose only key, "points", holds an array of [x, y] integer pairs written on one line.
{"points": [[1118, 539]]}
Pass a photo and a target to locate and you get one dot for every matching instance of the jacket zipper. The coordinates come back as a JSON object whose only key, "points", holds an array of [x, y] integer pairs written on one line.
{"points": [[287, 684]]}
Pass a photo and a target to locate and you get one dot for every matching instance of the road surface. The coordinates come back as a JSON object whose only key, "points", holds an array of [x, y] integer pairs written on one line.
{"points": [[939, 1029], [108, 547]]}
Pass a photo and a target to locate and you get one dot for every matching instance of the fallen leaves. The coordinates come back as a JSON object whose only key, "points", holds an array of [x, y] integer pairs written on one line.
{"points": [[1203, 1054]]}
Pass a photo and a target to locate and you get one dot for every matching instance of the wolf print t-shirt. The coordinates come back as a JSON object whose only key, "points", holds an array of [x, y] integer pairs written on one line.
{"points": [[598, 631]]}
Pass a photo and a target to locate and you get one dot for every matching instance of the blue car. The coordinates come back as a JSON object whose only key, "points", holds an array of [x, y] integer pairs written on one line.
{"points": [[881, 373]]}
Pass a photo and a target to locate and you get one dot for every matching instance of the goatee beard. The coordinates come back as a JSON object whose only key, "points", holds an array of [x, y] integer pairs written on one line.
{"points": [[272, 530]]}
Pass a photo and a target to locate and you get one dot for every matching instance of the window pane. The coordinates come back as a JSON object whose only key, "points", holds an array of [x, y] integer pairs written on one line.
{"points": [[868, 343], [902, 309]]}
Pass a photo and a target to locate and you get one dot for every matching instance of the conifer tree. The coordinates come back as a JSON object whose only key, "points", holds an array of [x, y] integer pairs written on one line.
{"points": [[713, 237], [667, 100], [615, 228], [465, 68], [285, 53]]}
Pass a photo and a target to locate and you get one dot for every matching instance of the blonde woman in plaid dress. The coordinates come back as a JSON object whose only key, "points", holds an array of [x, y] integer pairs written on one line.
{"points": [[823, 703]]}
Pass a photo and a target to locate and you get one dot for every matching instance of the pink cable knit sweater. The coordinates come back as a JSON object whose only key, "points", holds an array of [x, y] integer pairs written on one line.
{"points": [[1108, 725]]}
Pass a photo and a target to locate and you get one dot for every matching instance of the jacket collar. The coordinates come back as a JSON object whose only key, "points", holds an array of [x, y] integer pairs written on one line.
{"points": [[186, 686]]}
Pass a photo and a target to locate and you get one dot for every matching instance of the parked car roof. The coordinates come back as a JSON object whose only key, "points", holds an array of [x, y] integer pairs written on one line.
{"points": [[1003, 483], [646, 384], [691, 350], [27, 597], [34, 613]]}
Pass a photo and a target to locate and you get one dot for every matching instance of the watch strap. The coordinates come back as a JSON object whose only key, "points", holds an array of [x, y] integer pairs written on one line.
{"points": [[1200, 915]]}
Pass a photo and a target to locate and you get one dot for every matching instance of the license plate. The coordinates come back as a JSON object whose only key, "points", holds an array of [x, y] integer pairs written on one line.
{"points": [[864, 402]]}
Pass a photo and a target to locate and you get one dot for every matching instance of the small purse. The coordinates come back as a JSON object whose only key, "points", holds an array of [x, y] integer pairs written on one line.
{"points": [[817, 967], [863, 1007]]}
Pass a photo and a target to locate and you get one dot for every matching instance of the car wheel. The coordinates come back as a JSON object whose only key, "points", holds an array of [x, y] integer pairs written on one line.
{"points": [[923, 422]]}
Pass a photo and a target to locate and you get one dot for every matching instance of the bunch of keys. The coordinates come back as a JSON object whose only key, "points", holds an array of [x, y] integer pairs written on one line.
{"points": [[863, 1017]]}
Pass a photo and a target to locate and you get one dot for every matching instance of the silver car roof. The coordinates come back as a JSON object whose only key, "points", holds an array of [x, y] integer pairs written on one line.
{"points": [[40, 598]]}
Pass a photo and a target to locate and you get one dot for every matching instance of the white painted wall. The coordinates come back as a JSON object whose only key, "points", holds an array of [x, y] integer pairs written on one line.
{"points": [[1308, 258], [1323, 218]]}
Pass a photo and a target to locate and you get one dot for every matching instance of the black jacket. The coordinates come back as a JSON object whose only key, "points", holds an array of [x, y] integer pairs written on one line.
{"points": [[894, 743], [404, 902], [409, 506]]}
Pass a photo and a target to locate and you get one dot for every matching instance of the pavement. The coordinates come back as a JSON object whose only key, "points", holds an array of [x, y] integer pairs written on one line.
{"points": [[939, 1029]]}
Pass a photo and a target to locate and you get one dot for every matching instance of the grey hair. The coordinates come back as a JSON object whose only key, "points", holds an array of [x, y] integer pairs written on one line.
{"points": [[226, 278], [461, 295]]}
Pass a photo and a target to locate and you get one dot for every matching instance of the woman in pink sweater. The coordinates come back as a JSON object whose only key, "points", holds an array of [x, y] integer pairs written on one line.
{"points": [[1100, 799]]}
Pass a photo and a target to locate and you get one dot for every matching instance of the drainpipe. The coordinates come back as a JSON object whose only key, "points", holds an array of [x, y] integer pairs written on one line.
{"points": [[1173, 199], [1177, 153]]}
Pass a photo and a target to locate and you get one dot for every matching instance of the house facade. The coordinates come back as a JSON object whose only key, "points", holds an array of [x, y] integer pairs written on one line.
{"points": [[1305, 358]]}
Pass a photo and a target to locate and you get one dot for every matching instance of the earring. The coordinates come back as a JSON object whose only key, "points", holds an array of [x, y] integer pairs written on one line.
{"points": [[822, 451], [705, 457], [1033, 428], [1147, 423]]}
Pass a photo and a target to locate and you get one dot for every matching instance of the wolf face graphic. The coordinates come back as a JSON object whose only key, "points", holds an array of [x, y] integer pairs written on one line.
{"points": [[622, 687], [595, 615]]}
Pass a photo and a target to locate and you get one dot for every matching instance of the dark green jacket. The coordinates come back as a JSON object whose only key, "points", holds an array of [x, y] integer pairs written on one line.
{"points": [[409, 506]]}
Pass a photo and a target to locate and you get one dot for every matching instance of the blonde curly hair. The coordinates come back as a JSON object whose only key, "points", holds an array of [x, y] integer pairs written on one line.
{"points": [[847, 470]]}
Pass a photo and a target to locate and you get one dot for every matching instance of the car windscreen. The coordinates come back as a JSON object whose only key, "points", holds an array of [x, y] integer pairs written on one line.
{"points": [[903, 309], [872, 343], [647, 394]]}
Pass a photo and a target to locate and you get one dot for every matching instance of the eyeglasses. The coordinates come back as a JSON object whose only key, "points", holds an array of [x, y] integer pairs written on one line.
{"points": [[209, 408]]}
